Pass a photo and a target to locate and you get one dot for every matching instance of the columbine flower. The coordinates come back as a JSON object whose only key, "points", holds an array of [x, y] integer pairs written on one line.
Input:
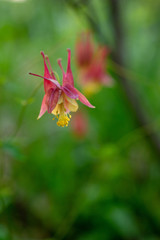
{"points": [[60, 100], [92, 69]]}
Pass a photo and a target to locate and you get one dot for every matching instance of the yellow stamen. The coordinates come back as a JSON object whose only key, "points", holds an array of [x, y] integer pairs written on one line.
{"points": [[63, 120], [60, 112]]}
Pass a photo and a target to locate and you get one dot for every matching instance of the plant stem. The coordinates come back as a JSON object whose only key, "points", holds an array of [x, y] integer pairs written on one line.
{"points": [[129, 91], [23, 110]]}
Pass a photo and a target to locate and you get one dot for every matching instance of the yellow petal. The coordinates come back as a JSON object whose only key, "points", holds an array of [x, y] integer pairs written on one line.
{"points": [[71, 100], [71, 104], [73, 107], [56, 110], [60, 100]]}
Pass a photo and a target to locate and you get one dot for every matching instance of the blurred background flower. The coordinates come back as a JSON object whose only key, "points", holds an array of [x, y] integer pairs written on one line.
{"points": [[91, 62], [84, 50], [80, 125]]}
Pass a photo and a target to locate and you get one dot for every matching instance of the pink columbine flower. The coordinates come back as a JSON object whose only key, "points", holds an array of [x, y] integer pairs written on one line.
{"points": [[60, 100], [91, 61], [96, 70]]}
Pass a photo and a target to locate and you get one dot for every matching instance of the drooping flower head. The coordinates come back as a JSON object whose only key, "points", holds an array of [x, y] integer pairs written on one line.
{"points": [[92, 75], [60, 100]]}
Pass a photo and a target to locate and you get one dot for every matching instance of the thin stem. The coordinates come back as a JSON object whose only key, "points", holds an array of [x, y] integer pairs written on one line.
{"points": [[23, 110]]}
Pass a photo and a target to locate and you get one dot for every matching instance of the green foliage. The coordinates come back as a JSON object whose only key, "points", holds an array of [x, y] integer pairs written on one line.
{"points": [[54, 185]]}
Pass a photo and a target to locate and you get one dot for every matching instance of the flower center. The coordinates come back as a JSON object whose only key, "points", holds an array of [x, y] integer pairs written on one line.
{"points": [[63, 120], [60, 113]]}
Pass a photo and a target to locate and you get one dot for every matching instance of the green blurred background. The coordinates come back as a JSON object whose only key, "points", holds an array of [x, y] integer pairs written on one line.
{"points": [[54, 185]]}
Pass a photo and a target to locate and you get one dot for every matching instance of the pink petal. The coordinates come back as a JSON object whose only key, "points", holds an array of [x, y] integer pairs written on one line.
{"points": [[84, 100], [60, 64], [52, 97], [55, 82], [84, 49], [69, 77], [52, 74], [47, 84], [107, 80], [43, 107], [70, 91]]}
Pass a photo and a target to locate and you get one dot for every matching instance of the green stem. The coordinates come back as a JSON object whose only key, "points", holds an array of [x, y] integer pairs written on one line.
{"points": [[23, 110]]}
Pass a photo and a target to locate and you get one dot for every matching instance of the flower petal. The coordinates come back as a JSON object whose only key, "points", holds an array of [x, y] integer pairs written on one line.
{"points": [[56, 83], [84, 100], [56, 110], [107, 80], [60, 64], [52, 97], [43, 107], [70, 104], [69, 76], [47, 84], [70, 91], [51, 71], [84, 49]]}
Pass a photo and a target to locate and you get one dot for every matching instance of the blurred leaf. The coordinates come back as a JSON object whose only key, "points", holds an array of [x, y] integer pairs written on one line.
{"points": [[109, 151], [12, 149], [123, 221], [4, 233]]}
